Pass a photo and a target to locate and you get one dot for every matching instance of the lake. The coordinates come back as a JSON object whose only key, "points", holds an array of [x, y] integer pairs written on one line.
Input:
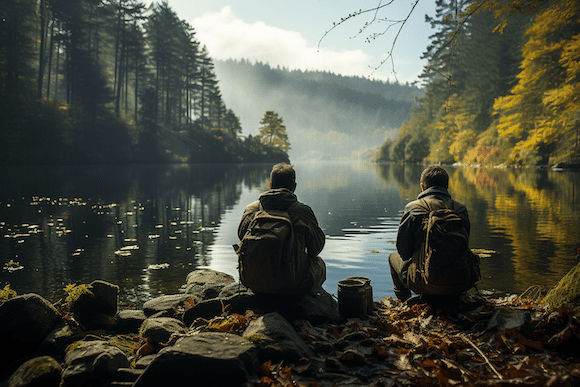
{"points": [[145, 227]]}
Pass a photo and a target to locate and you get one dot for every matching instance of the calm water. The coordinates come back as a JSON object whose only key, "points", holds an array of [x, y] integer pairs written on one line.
{"points": [[146, 227]]}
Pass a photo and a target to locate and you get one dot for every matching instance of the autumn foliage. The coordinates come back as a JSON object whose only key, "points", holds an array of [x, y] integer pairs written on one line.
{"points": [[503, 87]]}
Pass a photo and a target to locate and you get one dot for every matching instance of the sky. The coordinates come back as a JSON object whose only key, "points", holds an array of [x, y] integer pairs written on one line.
{"points": [[291, 34]]}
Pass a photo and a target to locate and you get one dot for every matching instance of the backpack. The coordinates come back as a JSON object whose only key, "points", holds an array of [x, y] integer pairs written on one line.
{"points": [[268, 255], [443, 263]]}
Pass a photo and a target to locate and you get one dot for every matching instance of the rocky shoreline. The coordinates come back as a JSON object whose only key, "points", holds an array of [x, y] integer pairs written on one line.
{"points": [[218, 333], [83, 340]]}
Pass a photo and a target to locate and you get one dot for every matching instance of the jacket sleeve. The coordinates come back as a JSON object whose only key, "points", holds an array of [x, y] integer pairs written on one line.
{"points": [[247, 217], [305, 221], [410, 230]]}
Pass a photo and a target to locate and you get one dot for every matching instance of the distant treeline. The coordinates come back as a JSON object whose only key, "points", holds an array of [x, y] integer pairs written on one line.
{"points": [[96, 81], [326, 115], [498, 90]]}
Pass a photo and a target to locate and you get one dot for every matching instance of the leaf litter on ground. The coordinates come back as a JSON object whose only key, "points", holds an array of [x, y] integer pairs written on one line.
{"points": [[481, 341]]}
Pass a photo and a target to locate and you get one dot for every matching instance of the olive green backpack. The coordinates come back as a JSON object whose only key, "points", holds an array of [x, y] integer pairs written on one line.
{"points": [[443, 264]]}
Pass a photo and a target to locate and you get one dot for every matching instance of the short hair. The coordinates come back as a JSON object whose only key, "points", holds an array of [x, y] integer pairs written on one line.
{"points": [[435, 176], [283, 176]]}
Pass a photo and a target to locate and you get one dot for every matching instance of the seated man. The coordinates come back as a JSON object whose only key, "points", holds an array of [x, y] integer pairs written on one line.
{"points": [[411, 235], [308, 268]]}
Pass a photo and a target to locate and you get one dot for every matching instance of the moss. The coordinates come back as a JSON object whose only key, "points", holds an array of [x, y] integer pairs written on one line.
{"points": [[126, 343], [6, 294], [566, 292], [73, 293], [261, 341]]}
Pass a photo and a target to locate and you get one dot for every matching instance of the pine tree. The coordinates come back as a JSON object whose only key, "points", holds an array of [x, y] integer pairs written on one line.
{"points": [[273, 132]]}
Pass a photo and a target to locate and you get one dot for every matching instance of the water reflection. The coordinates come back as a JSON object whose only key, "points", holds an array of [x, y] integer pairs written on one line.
{"points": [[146, 227]]}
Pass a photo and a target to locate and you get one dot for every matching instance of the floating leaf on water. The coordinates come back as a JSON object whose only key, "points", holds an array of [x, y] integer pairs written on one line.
{"points": [[484, 252], [130, 240], [109, 236], [122, 253], [12, 266], [159, 226], [375, 251], [172, 237], [154, 236], [158, 266], [132, 247]]}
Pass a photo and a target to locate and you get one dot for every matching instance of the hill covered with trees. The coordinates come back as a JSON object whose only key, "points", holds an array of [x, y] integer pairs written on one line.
{"points": [[502, 86], [97, 81], [327, 115]]}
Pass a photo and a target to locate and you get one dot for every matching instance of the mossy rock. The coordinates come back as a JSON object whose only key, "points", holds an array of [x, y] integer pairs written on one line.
{"points": [[566, 292]]}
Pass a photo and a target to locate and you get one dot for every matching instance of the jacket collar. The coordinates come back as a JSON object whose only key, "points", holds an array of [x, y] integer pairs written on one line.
{"points": [[439, 192], [277, 199]]}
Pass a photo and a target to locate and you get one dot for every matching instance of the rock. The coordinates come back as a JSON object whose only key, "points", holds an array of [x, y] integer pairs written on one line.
{"points": [[63, 335], [144, 362], [164, 303], [101, 299], [206, 284], [276, 339], [130, 320], [318, 306], [92, 364], [160, 329], [233, 289], [26, 321], [205, 359], [41, 371], [566, 292], [505, 318]]}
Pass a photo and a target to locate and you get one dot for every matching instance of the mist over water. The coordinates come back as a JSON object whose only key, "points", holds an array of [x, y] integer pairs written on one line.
{"points": [[326, 116]]}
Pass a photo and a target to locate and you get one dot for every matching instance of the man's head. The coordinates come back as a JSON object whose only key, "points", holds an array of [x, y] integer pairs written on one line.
{"points": [[434, 176], [283, 176]]}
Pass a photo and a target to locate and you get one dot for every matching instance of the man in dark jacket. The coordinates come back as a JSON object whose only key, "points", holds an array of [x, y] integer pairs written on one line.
{"points": [[312, 271], [434, 185]]}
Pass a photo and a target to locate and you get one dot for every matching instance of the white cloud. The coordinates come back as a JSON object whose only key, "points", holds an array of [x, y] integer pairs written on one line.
{"points": [[227, 36]]}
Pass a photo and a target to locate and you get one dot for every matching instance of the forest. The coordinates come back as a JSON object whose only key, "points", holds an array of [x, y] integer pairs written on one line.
{"points": [[501, 87], [328, 116], [103, 81]]}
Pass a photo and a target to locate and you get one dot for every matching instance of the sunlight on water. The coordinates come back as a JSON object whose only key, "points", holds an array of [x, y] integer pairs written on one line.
{"points": [[146, 227]]}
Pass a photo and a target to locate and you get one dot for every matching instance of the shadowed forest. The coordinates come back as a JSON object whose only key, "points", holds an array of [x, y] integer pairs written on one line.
{"points": [[94, 81], [501, 86]]}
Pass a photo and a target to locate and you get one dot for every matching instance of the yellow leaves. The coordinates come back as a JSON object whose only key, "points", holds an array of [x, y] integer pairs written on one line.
{"points": [[6, 293]]}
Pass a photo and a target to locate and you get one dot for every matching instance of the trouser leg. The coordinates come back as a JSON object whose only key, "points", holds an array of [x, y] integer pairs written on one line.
{"points": [[318, 271], [396, 265]]}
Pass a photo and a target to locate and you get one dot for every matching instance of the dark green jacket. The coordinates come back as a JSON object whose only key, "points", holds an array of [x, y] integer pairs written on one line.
{"points": [[301, 215], [411, 232]]}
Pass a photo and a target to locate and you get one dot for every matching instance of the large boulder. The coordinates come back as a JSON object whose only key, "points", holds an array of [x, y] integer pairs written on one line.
{"points": [[205, 284], [41, 371], [160, 329], [92, 364], [317, 307], [128, 321], [25, 321], [164, 304], [97, 305], [63, 335], [566, 292], [203, 359], [276, 339]]}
